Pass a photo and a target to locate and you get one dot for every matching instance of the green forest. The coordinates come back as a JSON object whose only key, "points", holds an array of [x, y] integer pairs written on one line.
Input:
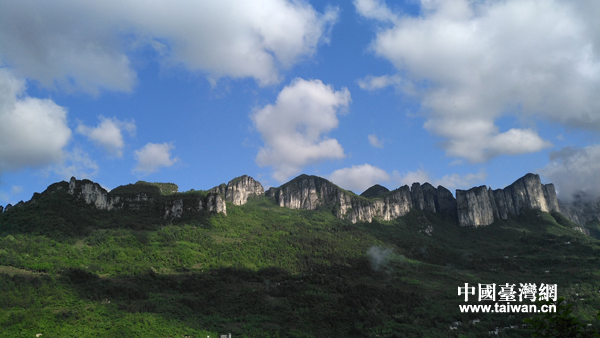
{"points": [[69, 270]]}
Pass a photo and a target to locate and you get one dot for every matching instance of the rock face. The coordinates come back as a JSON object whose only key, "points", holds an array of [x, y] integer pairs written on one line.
{"points": [[310, 192], [474, 207], [239, 189], [481, 206], [142, 195], [214, 202]]}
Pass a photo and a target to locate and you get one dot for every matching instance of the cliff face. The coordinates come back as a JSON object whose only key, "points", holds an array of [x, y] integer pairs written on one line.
{"points": [[310, 192], [239, 189], [481, 206], [177, 207], [142, 195], [136, 196], [474, 207]]}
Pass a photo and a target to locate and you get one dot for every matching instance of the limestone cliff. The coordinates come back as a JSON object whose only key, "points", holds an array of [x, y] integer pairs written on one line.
{"points": [[239, 189], [481, 206], [179, 205], [140, 196], [310, 192], [475, 207]]}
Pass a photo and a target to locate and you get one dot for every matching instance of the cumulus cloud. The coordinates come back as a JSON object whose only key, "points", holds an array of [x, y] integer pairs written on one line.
{"points": [[359, 178], [575, 171], [151, 157], [294, 128], [375, 9], [33, 132], [371, 82], [473, 62], [374, 141], [87, 44], [451, 181], [108, 134]]}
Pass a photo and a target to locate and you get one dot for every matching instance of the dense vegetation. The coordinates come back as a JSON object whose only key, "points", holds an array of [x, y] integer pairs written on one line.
{"points": [[69, 270]]}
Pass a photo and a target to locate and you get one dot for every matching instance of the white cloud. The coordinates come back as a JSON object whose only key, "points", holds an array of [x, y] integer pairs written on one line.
{"points": [[108, 134], [151, 157], [33, 132], [374, 141], [451, 181], [294, 128], [371, 83], [480, 140], [481, 61], [419, 175], [374, 9], [76, 163], [359, 178], [575, 170], [16, 189], [87, 44]]}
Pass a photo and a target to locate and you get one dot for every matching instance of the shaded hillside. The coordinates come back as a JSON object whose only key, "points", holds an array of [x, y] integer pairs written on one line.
{"points": [[375, 191]]}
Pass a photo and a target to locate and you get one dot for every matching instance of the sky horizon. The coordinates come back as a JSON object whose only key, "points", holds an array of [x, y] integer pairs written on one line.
{"points": [[455, 93]]}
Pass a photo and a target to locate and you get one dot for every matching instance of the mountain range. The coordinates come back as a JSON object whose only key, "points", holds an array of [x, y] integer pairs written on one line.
{"points": [[478, 206]]}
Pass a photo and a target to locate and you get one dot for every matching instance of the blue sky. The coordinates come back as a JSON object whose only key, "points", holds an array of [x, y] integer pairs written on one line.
{"points": [[458, 93]]}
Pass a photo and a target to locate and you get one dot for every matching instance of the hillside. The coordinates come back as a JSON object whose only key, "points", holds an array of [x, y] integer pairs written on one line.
{"points": [[69, 268]]}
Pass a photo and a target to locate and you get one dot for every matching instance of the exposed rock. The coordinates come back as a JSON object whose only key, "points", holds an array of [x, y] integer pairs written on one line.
{"points": [[144, 195], [582, 230], [480, 206], [418, 200], [173, 209], [430, 196], [375, 191], [446, 202], [474, 207], [90, 192], [214, 202], [239, 189], [306, 192], [310, 192], [8, 207], [1, 209]]}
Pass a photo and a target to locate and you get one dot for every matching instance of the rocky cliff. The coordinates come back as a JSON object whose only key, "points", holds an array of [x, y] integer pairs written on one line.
{"points": [[239, 189], [310, 192], [177, 207], [161, 196], [474, 207], [481, 206], [139, 196]]}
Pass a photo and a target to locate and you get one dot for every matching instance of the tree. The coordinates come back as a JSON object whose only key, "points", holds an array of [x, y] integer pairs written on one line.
{"points": [[561, 324]]}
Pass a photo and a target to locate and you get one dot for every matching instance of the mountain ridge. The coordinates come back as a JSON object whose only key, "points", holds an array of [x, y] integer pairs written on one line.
{"points": [[478, 206]]}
